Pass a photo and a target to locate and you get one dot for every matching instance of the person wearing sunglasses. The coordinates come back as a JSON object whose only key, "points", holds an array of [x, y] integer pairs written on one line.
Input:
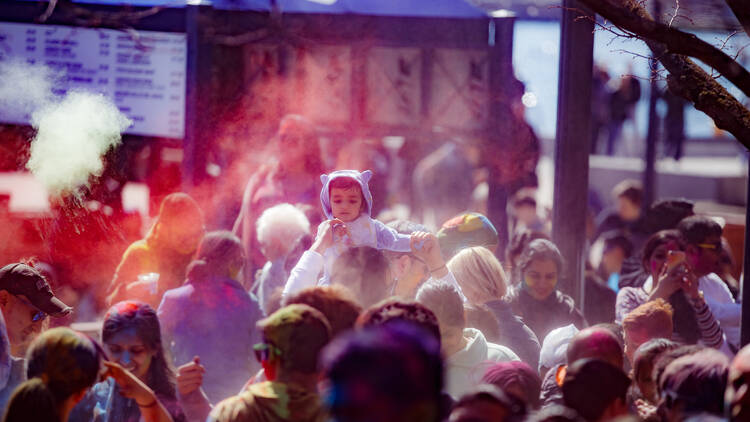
{"points": [[293, 338], [26, 299], [703, 250]]}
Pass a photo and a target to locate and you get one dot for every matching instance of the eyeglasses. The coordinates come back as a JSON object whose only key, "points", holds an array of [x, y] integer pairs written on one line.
{"points": [[263, 351], [711, 246], [36, 315]]}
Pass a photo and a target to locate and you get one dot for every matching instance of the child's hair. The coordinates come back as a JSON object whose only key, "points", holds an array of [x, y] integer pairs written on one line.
{"points": [[60, 363], [347, 183]]}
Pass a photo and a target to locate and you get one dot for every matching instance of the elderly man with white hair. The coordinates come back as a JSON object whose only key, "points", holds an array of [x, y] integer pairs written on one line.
{"points": [[283, 234]]}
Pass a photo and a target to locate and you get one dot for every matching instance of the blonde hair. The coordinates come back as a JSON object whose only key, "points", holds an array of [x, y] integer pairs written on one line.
{"points": [[479, 274], [283, 223]]}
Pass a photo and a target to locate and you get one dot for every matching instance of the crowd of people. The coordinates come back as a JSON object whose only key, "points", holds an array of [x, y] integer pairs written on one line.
{"points": [[315, 309]]}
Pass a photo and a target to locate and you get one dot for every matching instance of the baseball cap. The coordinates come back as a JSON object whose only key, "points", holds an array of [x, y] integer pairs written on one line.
{"points": [[21, 279], [299, 332]]}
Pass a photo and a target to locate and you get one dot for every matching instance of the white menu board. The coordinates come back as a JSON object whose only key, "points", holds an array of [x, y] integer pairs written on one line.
{"points": [[143, 72]]}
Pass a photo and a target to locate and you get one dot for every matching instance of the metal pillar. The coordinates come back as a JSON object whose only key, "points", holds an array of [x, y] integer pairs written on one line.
{"points": [[572, 147], [745, 289], [197, 102], [501, 74]]}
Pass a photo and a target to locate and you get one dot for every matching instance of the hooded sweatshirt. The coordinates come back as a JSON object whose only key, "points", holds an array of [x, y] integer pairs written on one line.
{"points": [[364, 230], [270, 402], [465, 368]]}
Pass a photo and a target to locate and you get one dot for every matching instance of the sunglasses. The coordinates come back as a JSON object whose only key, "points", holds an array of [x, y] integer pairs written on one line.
{"points": [[36, 315], [711, 246], [263, 351]]}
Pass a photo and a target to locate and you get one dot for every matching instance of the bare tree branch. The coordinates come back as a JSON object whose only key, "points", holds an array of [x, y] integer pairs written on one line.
{"points": [[686, 78], [631, 16], [689, 81], [741, 10]]}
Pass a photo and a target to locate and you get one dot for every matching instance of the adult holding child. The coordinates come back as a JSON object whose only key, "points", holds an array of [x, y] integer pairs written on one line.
{"points": [[291, 177], [351, 242]]}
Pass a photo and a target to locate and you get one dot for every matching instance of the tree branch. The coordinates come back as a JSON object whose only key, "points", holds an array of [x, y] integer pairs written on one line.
{"points": [[631, 16], [689, 81], [686, 79], [742, 12]]}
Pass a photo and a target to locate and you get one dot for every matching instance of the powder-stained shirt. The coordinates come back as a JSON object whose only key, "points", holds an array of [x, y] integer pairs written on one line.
{"points": [[270, 402]]}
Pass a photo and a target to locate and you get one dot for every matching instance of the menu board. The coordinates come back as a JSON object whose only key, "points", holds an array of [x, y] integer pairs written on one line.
{"points": [[143, 72]]}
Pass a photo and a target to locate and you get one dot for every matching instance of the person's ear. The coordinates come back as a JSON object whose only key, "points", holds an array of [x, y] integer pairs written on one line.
{"points": [[402, 265], [270, 367], [4, 298]]}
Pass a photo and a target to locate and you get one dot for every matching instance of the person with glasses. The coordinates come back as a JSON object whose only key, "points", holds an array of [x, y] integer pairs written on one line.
{"points": [[62, 366], [293, 338], [673, 280], [703, 251], [26, 299]]}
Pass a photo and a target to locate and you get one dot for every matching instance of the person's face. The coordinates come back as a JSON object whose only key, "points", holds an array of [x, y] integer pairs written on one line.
{"points": [[410, 271], [346, 204], [737, 396], [127, 349], [627, 210], [613, 259], [645, 381], [704, 257], [20, 316], [479, 411], [292, 147], [183, 235], [659, 257], [541, 278], [526, 214]]}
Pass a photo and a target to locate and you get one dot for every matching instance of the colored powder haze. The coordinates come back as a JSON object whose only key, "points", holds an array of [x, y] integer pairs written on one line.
{"points": [[72, 133]]}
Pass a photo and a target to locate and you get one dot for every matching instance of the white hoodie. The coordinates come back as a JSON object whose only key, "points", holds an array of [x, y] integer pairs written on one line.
{"points": [[464, 369]]}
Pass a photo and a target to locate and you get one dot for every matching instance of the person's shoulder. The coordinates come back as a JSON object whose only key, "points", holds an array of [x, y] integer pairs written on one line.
{"points": [[137, 247], [499, 353], [235, 408], [629, 293], [179, 292]]}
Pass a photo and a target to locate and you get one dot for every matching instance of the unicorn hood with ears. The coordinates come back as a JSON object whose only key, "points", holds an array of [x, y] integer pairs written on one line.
{"points": [[362, 179]]}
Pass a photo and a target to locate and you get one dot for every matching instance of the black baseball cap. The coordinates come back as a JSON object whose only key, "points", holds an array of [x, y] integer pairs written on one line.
{"points": [[21, 279]]}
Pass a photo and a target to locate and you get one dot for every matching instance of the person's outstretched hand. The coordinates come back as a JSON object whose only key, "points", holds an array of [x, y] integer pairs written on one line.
{"points": [[425, 246], [190, 376], [328, 231], [133, 388], [130, 386]]}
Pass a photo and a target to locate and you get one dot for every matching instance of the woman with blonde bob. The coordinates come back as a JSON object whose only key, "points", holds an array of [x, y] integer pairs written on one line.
{"points": [[483, 281]]}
